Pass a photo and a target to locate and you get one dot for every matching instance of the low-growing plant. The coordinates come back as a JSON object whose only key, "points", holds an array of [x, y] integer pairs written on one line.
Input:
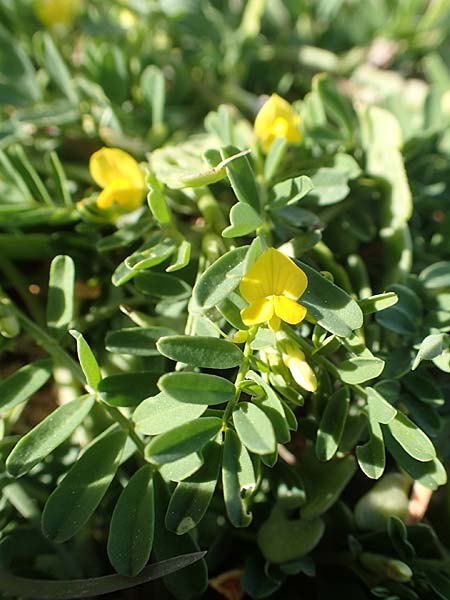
{"points": [[239, 365]]}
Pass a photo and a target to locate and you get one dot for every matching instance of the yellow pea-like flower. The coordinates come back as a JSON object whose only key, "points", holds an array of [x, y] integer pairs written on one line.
{"points": [[272, 287], [277, 119], [57, 12], [121, 178]]}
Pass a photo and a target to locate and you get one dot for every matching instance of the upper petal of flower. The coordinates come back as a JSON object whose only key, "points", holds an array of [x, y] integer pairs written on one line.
{"points": [[277, 118], [273, 274], [110, 164]]}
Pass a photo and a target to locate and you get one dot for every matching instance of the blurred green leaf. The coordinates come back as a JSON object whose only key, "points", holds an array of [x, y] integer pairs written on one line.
{"points": [[201, 351]]}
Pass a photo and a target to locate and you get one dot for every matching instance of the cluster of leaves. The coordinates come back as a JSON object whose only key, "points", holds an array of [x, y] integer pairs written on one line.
{"points": [[167, 435]]}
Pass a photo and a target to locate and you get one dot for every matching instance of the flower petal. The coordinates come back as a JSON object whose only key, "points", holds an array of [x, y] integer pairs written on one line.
{"points": [[301, 371], [109, 164], [259, 311], [120, 193], [277, 118], [273, 274], [288, 310]]}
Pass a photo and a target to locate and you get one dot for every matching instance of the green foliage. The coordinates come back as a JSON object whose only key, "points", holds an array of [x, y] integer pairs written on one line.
{"points": [[177, 423]]}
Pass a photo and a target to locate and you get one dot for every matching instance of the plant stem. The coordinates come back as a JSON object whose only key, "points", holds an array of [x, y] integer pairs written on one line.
{"points": [[248, 351]]}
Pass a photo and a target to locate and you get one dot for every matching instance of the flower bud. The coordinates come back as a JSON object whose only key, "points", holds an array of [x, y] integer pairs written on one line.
{"points": [[52, 13]]}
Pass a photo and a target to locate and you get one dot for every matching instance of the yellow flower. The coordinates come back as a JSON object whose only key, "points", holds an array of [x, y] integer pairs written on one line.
{"points": [[272, 286], [120, 177], [57, 12], [277, 119], [300, 370]]}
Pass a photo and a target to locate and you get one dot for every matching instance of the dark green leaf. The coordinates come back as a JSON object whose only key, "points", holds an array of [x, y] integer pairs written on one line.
{"points": [[237, 476], [60, 295], [182, 440], [221, 278], [137, 341], [192, 496], [161, 413], [254, 428], [332, 308], [242, 178], [332, 424], [22, 384], [88, 362], [197, 388], [128, 389], [131, 530], [411, 438], [38, 443], [201, 351], [77, 496]]}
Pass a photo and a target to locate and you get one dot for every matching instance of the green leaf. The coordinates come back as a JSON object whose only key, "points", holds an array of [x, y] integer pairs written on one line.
{"points": [[201, 351], [431, 347], [181, 469], [242, 178], [436, 276], [136, 341], [161, 413], [430, 474], [23, 383], [57, 69], [132, 525], [283, 540], [153, 88], [330, 306], [128, 389], [324, 482], [254, 428], [244, 220], [221, 278], [38, 443], [153, 254], [237, 476], [332, 424], [371, 456], [193, 581], [182, 440], [60, 295], [272, 407], [59, 177], [274, 158], [192, 497], [412, 439], [404, 317], [379, 408], [338, 107], [197, 388], [160, 285], [378, 302], [423, 385], [329, 185], [77, 496], [88, 362], [181, 258], [290, 191], [359, 370], [95, 586]]}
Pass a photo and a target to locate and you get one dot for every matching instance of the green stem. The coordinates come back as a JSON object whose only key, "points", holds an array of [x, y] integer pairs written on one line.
{"points": [[248, 351], [122, 420]]}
